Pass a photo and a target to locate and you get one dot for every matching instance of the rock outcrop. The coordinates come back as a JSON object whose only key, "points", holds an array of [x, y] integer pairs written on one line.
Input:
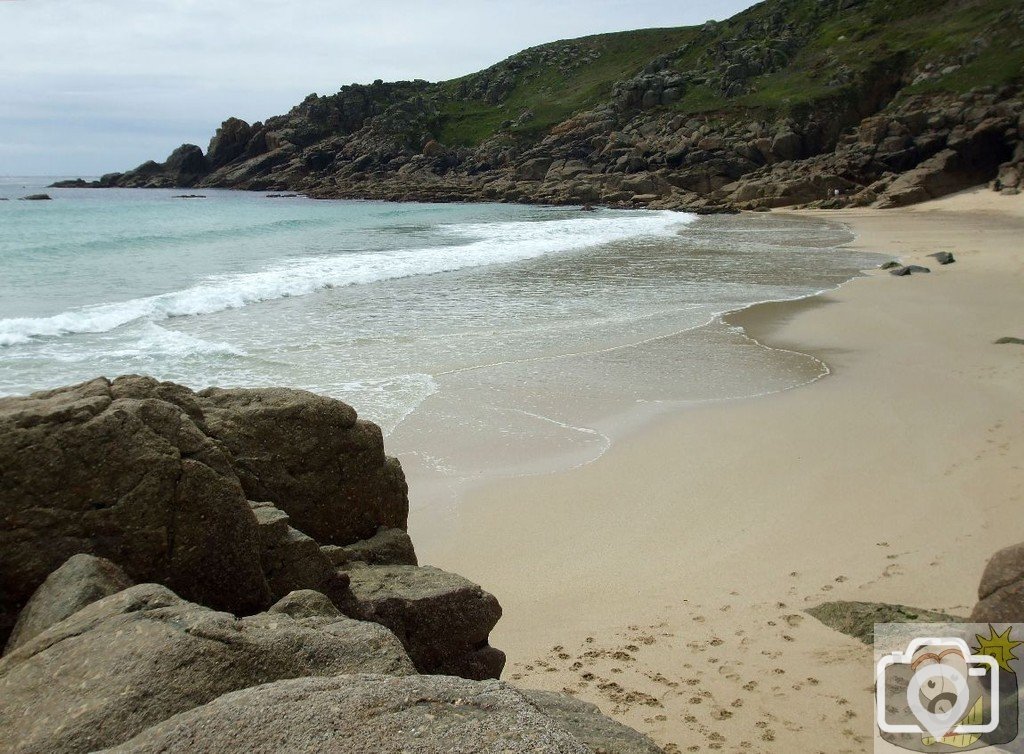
{"points": [[231, 498], [116, 495], [416, 714], [858, 619], [123, 470], [386, 547], [142, 655], [1001, 591], [313, 458], [82, 580], [585, 722], [767, 109], [442, 619]]}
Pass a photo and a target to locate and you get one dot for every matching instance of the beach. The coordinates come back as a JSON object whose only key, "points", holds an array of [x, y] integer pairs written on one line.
{"points": [[667, 580]]}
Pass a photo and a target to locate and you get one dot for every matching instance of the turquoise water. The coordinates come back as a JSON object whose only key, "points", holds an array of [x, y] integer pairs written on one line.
{"points": [[383, 304]]}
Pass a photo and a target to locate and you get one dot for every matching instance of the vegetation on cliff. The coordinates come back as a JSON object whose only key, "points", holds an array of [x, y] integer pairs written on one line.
{"points": [[785, 103]]}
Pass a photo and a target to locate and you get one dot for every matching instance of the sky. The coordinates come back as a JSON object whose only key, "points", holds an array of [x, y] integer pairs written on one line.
{"points": [[89, 87]]}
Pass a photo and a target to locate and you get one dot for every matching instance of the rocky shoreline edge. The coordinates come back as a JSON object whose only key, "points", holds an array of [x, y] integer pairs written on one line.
{"points": [[901, 153], [230, 570]]}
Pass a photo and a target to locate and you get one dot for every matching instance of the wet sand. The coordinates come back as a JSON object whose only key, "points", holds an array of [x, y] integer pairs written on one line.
{"points": [[667, 580]]}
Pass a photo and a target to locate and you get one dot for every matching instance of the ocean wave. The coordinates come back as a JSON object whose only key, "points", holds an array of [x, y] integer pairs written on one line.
{"points": [[482, 244]]}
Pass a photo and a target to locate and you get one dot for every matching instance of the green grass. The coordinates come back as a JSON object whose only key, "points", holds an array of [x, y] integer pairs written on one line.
{"points": [[553, 95], [921, 31]]}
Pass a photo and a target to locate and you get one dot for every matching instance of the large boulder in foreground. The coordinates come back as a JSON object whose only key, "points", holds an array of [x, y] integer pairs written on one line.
{"points": [[123, 470], [159, 479], [414, 714], [142, 655], [313, 458], [442, 619], [82, 580], [1001, 591]]}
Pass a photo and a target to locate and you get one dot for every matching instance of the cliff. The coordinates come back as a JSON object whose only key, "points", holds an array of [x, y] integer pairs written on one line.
{"points": [[786, 103]]}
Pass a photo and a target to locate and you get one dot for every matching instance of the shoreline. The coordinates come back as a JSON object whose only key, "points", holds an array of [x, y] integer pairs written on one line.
{"points": [[666, 581], [778, 370]]}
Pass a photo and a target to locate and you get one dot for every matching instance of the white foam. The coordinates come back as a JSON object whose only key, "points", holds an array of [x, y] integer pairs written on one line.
{"points": [[487, 243]]}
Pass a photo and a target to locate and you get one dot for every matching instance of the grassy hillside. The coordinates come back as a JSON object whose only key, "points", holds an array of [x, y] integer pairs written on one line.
{"points": [[781, 55], [553, 81]]}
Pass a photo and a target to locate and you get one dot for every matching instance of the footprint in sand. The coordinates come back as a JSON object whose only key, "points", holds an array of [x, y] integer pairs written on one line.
{"points": [[793, 620]]}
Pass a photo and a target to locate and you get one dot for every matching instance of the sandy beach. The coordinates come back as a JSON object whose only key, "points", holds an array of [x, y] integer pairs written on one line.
{"points": [[667, 581]]}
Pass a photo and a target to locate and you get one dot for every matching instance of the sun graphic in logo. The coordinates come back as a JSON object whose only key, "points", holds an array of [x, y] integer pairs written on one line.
{"points": [[998, 646]]}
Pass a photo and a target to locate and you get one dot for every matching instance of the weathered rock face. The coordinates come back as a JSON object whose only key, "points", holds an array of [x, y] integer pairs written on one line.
{"points": [[386, 547], [229, 143], [313, 458], [291, 560], [1001, 591], [82, 580], [158, 479], [585, 721], [142, 655], [121, 470], [442, 619], [134, 479], [362, 714]]}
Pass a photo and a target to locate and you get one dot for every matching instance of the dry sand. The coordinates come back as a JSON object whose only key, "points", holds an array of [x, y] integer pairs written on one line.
{"points": [[666, 582]]}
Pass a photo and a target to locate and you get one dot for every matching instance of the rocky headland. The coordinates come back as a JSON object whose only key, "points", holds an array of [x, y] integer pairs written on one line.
{"points": [[790, 103], [230, 570]]}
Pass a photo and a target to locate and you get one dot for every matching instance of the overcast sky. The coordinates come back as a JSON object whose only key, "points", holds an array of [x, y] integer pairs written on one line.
{"points": [[87, 87]]}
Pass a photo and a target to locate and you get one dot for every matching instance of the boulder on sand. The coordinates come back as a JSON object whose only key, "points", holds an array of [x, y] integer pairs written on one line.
{"points": [[943, 257], [1001, 590], [908, 270], [442, 619]]}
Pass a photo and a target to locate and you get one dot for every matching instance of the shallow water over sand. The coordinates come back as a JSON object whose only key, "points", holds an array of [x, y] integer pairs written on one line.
{"points": [[483, 338]]}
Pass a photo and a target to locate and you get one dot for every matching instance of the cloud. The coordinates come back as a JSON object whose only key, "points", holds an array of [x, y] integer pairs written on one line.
{"points": [[92, 86]]}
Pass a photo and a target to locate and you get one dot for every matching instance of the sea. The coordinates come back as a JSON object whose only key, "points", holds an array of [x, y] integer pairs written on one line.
{"points": [[484, 339]]}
